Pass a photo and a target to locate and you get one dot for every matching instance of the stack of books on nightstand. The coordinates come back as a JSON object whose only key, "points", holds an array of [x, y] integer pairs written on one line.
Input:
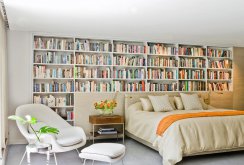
{"points": [[107, 131]]}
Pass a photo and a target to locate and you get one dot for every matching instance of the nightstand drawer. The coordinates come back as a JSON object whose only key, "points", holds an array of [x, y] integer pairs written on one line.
{"points": [[95, 119]]}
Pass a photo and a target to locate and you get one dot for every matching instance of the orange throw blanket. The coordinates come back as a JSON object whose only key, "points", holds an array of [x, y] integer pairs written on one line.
{"points": [[167, 121]]}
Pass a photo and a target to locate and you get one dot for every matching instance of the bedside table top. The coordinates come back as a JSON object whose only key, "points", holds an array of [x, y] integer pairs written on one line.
{"points": [[98, 119]]}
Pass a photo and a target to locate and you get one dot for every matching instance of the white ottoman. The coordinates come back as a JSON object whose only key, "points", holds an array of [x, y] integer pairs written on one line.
{"points": [[105, 152]]}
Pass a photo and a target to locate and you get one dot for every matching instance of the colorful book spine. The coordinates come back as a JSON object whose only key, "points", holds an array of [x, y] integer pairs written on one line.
{"points": [[161, 74], [92, 86], [192, 63], [219, 53], [90, 45], [129, 73], [192, 51], [129, 61], [221, 64], [128, 48], [191, 86], [162, 49], [220, 86], [162, 61], [154, 87], [84, 72], [93, 59], [54, 87], [191, 74], [122, 86], [53, 43], [219, 75]]}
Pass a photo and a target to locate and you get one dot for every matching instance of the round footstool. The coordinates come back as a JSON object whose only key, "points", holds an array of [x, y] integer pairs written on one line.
{"points": [[104, 152]]}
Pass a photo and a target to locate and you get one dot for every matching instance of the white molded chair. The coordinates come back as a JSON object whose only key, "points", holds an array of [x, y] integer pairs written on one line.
{"points": [[69, 137]]}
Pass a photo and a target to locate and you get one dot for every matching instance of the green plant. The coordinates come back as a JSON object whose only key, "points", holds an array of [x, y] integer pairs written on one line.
{"points": [[32, 120]]}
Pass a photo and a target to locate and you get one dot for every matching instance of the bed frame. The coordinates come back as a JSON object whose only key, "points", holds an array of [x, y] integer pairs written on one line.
{"points": [[132, 98]]}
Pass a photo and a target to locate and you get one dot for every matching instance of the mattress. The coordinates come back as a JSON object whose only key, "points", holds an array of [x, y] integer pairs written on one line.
{"points": [[187, 136]]}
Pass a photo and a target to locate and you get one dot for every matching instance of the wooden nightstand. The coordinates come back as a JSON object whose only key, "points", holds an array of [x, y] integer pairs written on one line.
{"points": [[97, 120]]}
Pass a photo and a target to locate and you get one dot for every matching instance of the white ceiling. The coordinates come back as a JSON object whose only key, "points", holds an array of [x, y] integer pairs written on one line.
{"points": [[209, 22]]}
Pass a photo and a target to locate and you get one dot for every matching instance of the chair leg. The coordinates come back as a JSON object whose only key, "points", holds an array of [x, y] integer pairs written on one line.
{"points": [[92, 162], [77, 151], [22, 158], [122, 161], [84, 162], [56, 162]]}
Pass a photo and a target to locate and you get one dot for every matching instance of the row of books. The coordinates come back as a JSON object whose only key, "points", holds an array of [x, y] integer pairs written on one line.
{"points": [[129, 73], [122, 86], [219, 53], [54, 87], [219, 75], [191, 74], [84, 72], [220, 86], [42, 72], [51, 101], [192, 51], [87, 45], [92, 86], [227, 64], [93, 59], [162, 61], [70, 115], [129, 61], [193, 63], [53, 58], [53, 43], [128, 48], [152, 86], [163, 49], [192, 86], [161, 74]]}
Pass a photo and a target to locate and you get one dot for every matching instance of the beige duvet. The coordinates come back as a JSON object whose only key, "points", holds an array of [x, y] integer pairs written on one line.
{"points": [[188, 136]]}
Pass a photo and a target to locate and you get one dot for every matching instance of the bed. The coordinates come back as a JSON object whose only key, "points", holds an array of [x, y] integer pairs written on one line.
{"points": [[188, 137]]}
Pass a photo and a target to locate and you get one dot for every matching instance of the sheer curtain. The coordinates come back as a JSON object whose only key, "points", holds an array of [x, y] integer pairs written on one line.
{"points": [[3, 87]]}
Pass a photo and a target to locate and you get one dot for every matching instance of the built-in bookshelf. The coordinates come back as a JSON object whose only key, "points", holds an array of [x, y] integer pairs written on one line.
{"points": [[219, 71], [63, 66], [53, 74]]}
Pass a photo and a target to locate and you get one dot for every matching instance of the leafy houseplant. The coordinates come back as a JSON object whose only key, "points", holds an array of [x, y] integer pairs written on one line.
{"points": [[106, 107], [31, 121]]}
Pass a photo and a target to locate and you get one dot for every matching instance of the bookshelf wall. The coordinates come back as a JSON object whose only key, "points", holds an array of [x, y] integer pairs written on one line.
{"points": [[63, 66]]}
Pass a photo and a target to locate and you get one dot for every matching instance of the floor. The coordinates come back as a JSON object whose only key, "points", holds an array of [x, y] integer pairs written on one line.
{"points": [[136, 154]]}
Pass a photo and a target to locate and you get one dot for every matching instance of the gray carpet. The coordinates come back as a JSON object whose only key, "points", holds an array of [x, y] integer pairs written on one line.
{"points": [[136, 154]]}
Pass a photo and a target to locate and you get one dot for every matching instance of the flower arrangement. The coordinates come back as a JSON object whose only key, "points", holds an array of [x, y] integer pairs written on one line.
{"points": [[106, 107]]}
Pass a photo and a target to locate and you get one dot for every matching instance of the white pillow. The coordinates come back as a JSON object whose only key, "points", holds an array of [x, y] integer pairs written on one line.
{"points": [[178, 103], [146, 104], [161, 103], [172, 102], [191, 101]]}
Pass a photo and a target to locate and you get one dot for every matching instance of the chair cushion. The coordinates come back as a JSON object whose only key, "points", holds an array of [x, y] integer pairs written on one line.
{"points": [[111, 150], [69, 136]]}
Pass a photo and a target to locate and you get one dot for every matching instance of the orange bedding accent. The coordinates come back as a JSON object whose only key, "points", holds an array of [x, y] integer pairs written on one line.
{"points": [[167, 121]]}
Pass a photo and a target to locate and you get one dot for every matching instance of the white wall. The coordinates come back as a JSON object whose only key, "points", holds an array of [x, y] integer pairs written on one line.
{"points": [[19, 76]]}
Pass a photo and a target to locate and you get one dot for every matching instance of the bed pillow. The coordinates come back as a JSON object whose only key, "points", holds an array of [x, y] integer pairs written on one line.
{"points": [[146, 104], [191, 101], [178, 103], [172, 102], [161, 103], [204, 105]]}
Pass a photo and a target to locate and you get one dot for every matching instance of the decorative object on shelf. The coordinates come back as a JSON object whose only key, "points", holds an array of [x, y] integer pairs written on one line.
{"points": [[105, 107], [32, 121]]}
